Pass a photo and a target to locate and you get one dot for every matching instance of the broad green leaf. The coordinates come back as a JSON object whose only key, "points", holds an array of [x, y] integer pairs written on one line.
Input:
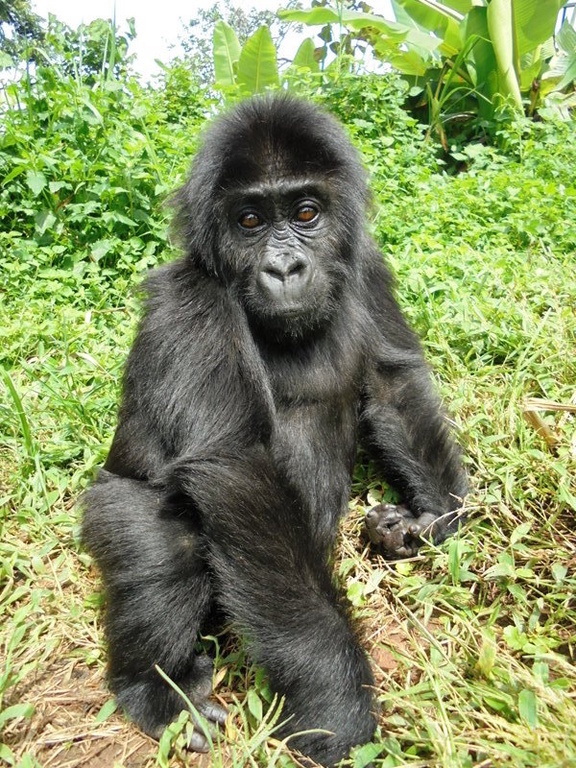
{"points": [[442, 23], [56, 186], [398, 33], [257, 65], [437, 8], [352, 19], [534, 21], [16, 711], [254, 704], [45, 219], [365, 754], [312, 17], [528, 707], [100, 249], [355, 593], [88, 104], [106, 710], [16, 171], [514, 638], [36, 181], [569, 74], [486, 656], [304, 57], [408, 62], [402, 16], [566, 38], [390, 31], [226, 52], [559, 572], [118, 217], [421, 42], [519, 533], [562, 66], [530, 68], [482, 60], [462, 6]]}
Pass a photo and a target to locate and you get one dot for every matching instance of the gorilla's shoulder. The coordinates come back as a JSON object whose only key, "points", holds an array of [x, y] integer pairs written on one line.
{"points": [[181, 299]]}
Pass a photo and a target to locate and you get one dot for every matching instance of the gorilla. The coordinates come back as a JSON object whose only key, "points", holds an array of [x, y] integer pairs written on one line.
{"points": [[265, 355]]}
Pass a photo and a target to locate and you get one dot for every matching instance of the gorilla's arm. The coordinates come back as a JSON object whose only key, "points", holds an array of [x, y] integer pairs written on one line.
{"points": [[404, 428], [189, 381]]}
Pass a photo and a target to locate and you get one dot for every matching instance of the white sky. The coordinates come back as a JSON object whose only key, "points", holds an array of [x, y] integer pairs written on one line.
{"points": [[157, 23]]}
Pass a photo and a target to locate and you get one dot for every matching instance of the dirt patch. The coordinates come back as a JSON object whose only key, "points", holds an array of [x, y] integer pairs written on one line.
{"points": [[64, 731]]}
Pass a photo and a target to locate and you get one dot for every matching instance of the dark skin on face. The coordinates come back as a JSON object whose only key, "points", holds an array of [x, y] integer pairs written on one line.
{"points": [[282, 227], [264, 356]]}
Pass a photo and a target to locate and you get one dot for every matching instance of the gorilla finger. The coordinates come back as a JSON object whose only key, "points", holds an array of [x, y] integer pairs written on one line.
{"points": [[213, 712], [425, 526], [393, 541], [382, 515], [197, 742]]}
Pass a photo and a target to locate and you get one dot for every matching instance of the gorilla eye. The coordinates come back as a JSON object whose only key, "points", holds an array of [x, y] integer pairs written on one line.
{"points": [[306, 213], [250, 220]]}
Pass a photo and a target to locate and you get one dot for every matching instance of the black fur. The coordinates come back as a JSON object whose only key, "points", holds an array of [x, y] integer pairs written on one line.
{"points": [[263, 356]]}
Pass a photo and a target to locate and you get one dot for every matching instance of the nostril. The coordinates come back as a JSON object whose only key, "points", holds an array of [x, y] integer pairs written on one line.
{"points": [[274, 271], [296, 269]]}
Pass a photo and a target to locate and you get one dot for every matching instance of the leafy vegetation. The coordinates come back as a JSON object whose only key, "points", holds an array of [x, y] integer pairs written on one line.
{"points": [[462, 59], [198, 37], [472, 641], [19, 28]]}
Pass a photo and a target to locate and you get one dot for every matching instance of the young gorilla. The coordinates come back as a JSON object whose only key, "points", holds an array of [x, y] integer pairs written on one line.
{"points": [[262, 357]]}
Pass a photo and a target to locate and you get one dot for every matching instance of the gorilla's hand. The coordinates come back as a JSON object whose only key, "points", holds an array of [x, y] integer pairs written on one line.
{"points": [[397, 533]]}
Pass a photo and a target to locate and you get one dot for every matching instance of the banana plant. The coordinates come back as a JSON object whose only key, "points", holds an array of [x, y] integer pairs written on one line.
{"points": [[244, 70], [253, 68], [459, 52]]}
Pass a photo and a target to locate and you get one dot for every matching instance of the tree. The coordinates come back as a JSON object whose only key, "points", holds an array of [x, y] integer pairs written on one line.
{"points": [[20, 30]]}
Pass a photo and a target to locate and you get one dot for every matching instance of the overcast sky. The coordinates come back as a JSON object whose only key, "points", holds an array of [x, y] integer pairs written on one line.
{"points": [[157, 23]]}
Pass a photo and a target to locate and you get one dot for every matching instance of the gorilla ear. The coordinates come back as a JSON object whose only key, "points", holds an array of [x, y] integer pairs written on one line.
{"points": [[194, 223]]}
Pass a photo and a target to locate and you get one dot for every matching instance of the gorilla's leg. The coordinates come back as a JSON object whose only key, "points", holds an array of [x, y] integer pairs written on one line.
{"points": [[273, 577], [158, 594]]}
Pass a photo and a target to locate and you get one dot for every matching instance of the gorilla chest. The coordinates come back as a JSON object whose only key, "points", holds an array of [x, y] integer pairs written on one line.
{"points": [[314, 445], [316, 395]]}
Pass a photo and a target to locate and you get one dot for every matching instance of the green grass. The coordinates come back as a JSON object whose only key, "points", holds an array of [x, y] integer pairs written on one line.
{"points": [[472, 641]]}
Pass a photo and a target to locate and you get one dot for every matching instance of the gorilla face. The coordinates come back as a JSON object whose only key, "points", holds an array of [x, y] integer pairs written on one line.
{"points": [[282, 253]]}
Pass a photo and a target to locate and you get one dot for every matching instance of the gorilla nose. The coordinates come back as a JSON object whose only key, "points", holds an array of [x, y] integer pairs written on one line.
{"points": [[285, 267]]}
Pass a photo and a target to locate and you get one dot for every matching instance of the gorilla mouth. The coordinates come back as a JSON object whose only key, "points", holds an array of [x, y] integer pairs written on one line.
{"points": [[289, 308]]}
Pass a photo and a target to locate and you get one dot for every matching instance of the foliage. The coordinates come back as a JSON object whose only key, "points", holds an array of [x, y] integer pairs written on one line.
{"points": [[473, 640], [462, 58], [20, 29], [247, 70], [90, 53], [561, 72], [253, 68], [81, 170], [197, 39]]}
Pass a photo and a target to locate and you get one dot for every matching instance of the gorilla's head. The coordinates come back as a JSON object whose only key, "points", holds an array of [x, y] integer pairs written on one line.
{"points": [[275, 206]]}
